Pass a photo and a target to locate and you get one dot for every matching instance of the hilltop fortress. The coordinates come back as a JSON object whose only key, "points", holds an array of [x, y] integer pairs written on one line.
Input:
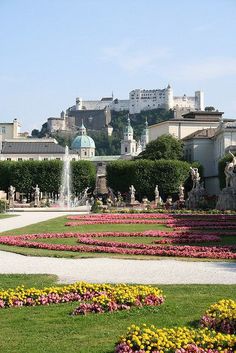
{"points": [[142, 99], [96, 114]]}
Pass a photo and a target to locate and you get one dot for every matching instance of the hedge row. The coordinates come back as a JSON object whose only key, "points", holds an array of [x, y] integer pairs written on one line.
{"points": [[146, 174], [24, 175]]}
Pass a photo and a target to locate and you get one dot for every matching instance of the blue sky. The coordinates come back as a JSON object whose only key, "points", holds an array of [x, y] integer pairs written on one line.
{"points": [[52, 51]]}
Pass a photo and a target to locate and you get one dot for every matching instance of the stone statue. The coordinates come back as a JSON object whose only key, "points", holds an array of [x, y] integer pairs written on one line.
{"points": [[195, 177], [36, 196], [227, 200], [11, 192], [132, 194], [196, 195], [181, 193], [230, 172], [157, 194]]}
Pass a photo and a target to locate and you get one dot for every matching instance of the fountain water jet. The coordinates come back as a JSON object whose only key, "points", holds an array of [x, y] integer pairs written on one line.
{"points": [[65, 189]]}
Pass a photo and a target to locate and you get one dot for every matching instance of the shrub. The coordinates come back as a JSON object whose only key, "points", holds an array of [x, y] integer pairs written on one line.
{"points": [[24, 175], [3, 206]]}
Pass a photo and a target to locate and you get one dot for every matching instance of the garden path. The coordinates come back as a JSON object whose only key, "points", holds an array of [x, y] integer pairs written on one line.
{"points": [[167, 271], [23, 219]]}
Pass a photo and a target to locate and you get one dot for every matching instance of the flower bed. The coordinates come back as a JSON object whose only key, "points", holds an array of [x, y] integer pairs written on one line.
{"points": [[218, 217], [170, 220], [96, 298], [168, 223], [174, 340], [96, 246], [221, 316]]}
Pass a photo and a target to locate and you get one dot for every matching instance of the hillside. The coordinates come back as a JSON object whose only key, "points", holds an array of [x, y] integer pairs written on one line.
{"points": [[110, 145]]}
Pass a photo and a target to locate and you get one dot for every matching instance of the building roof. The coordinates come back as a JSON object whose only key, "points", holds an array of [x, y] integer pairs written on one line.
{"points": [[105, 158], [201, 134], [203, 115], [31, 147], [82, 141], [106, 99]]}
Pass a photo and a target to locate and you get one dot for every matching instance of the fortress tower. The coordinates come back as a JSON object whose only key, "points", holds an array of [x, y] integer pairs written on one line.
{"points": [[169, 98]]}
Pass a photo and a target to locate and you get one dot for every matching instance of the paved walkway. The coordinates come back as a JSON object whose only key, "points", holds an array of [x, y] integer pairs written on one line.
{"points": [[117, 270], [111, 270], [23, 219]]}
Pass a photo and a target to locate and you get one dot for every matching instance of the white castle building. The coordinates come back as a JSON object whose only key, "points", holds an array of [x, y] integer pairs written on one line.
{"points": [[142, 100]]}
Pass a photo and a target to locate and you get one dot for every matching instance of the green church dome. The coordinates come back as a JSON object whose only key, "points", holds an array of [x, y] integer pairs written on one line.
{"points": [[82, 141]]}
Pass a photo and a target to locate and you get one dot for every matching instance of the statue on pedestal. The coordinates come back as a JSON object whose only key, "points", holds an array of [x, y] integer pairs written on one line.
{"points": [[227, 200], [181, 193], [36, 196], [195, 177], [158, 200], [196, 195], [132, 194], [11, 193]]}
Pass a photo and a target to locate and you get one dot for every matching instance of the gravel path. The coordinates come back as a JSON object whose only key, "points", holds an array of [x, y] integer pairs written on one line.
{"points": [[23, 219], [111, 270], [117, 270]]}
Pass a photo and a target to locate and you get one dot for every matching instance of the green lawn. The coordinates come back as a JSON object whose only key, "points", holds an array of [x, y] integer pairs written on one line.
{"points": [[51, 329], [58, 225], [4, 215]]}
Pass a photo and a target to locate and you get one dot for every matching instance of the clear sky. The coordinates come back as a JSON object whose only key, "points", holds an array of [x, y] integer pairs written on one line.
{"points": [[52, 51]]}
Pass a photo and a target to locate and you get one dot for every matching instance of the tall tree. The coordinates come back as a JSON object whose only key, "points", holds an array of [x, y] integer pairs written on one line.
{"points": [[164, 147]]}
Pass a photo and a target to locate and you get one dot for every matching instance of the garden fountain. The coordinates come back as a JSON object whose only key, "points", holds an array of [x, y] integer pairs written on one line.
{"points": [[65, 189]]}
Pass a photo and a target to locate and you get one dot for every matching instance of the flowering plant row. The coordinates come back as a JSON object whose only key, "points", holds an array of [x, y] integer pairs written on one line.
{"points": [[179, 340], [218, 217], [170, 223], [92, 297], [214, 252], [221, 316]]}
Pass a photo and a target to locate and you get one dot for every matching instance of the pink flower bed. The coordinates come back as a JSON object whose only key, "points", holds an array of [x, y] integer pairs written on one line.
{"points": [[218, 217], [94, 245]]}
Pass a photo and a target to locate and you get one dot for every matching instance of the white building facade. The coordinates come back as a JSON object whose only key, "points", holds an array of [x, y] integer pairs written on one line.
{"points": [[208, 146], [186, 125]]}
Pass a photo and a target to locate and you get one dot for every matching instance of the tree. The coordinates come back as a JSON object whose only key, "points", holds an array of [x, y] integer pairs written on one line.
{"points": [[164, 147], [210, 109], [35, 133]]}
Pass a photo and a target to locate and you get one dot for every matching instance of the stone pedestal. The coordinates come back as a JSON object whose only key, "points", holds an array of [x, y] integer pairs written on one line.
{"points": [[3, 195], [132, 200], [227, 199], [195, 197]]}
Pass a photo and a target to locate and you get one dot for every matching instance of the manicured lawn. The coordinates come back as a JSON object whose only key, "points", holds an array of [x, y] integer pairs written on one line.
{"points": [[4, 215], [51, 329], [58, 225]]}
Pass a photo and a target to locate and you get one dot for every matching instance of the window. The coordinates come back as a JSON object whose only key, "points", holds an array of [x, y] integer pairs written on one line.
{"points": [[3, 130], [58, 159], [19, 159], [85, 153], [31, 159], [126, 149], [45, 159], [73, 159], [8, 159]]}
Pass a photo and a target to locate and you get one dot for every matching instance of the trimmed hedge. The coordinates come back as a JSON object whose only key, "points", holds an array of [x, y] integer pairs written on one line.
{"points": [[24, 175], [146, 174]]}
